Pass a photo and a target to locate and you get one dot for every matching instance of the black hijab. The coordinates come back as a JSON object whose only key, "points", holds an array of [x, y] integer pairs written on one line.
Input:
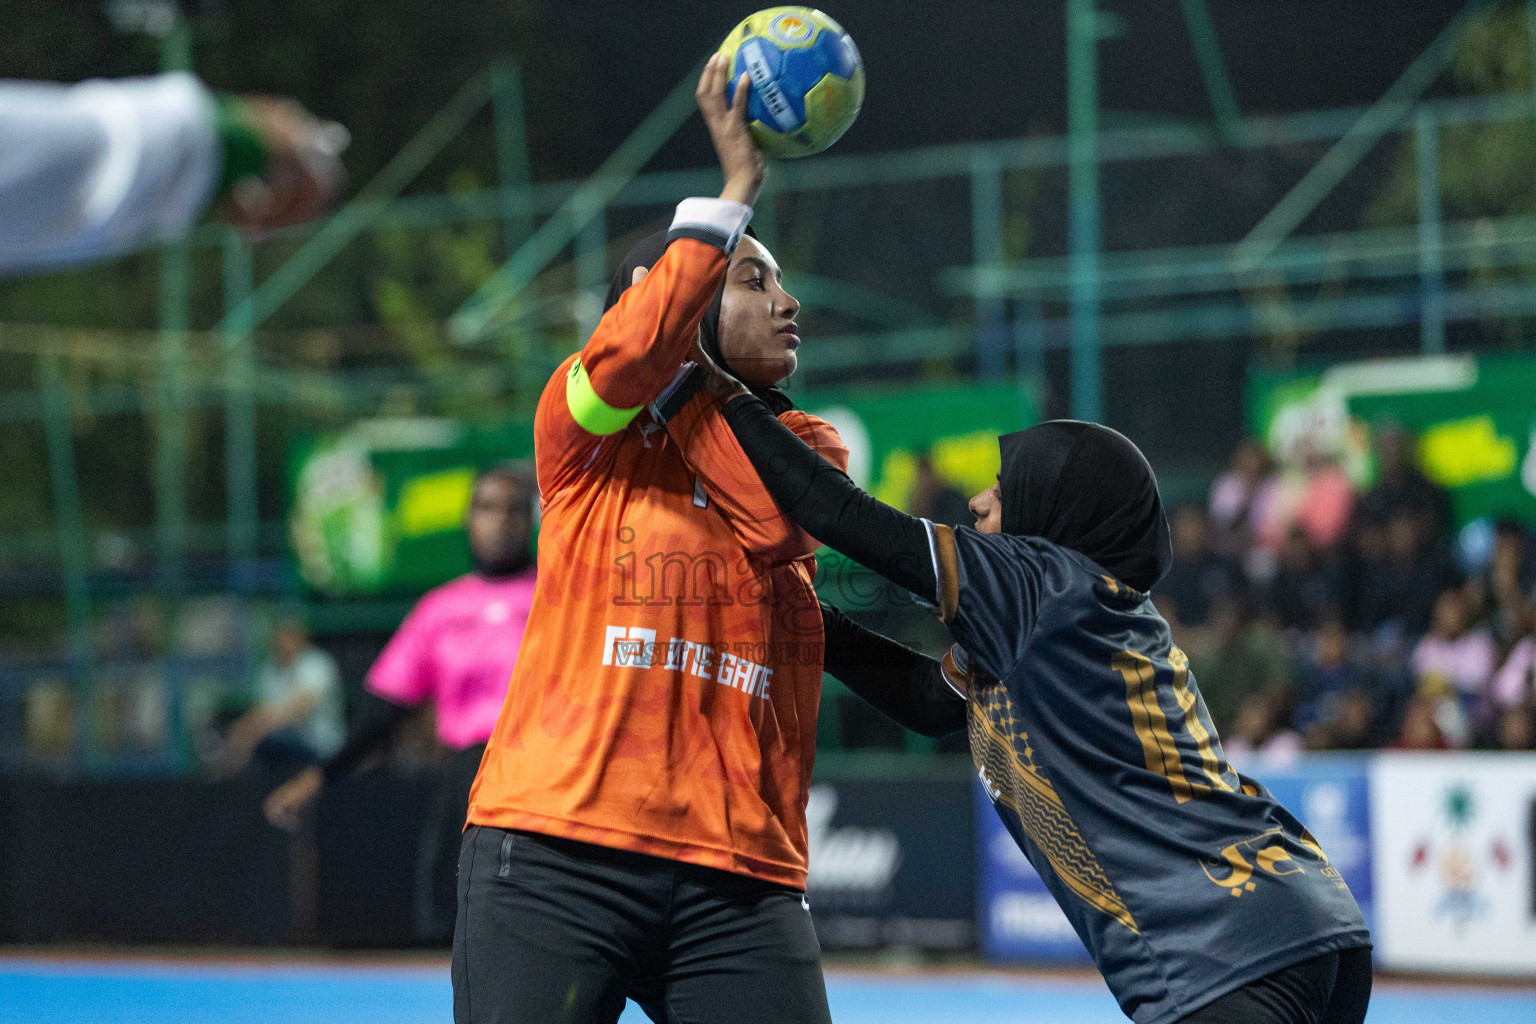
{"points": [[1088, 488], [645, 254]]}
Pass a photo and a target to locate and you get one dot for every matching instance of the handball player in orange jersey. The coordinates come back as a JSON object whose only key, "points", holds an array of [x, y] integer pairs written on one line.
{"points": [[637, 827]]}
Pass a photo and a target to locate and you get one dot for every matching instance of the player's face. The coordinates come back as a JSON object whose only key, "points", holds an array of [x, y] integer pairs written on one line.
{"points": [[758, 333], [987, 507], [498, 523]]}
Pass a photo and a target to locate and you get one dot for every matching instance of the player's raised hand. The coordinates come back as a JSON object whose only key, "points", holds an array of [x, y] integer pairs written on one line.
{"points": [[304, 175], [740, 158]]}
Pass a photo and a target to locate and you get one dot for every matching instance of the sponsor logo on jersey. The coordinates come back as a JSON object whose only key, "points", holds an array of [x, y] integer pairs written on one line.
{"points": [[636, 647], [629, 646], [1239, 865]]}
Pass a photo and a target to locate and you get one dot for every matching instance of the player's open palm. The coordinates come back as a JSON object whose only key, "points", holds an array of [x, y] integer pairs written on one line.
{"points": [[740, 158]]}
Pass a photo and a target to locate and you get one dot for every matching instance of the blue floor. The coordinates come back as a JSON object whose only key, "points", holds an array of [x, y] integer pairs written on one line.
{"points": [[48, 992]]}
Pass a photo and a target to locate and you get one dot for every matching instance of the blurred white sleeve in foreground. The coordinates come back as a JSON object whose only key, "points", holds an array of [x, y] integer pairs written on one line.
{"points": [[98, 169]]}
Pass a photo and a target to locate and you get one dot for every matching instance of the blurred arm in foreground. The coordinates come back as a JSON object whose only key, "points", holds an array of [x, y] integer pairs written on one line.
{"points": [[99, 169]]}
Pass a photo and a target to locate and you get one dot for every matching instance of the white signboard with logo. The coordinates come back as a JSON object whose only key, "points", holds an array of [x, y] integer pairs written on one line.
{"points": [[1453, 862]]}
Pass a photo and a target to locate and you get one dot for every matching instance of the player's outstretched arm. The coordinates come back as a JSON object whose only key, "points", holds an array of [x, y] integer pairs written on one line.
{"points": [[99, 169], [709, 448], [643, 339], [740, 159], [905, 685], [829, 506], [985, 588]]}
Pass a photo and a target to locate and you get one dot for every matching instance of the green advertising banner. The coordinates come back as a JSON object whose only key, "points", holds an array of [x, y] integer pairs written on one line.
{"points": [[377, 509], [887, 429], [1475, 418]]}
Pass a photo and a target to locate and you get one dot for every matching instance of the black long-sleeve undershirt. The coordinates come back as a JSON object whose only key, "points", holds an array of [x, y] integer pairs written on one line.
{"points": [[903, 684], [824, 502], [906, 686]]}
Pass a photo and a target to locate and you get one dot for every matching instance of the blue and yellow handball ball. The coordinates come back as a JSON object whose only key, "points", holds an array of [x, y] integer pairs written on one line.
{"points": [[807, 79]]}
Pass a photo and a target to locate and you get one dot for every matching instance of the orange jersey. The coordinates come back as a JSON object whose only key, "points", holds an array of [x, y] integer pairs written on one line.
{"points": [[665, 697]]}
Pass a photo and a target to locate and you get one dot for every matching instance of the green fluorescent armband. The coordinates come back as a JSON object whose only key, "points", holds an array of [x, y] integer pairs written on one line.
{"points": [[590, 412]]}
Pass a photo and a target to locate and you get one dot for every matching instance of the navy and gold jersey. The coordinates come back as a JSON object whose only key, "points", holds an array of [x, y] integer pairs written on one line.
{"points": [[1184, 879]]}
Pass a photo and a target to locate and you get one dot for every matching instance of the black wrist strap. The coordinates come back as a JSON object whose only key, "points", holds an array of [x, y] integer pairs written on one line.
{"points": [[674, 396]]}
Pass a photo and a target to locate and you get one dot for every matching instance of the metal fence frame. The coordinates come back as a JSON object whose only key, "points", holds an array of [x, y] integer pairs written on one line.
{"points": [[1208, 290]]}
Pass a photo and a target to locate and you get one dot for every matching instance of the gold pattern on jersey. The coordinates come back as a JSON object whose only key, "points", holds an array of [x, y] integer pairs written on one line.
{"points": [[1005, 759], [1158, 747], [1211, 759], [1265, 854]]}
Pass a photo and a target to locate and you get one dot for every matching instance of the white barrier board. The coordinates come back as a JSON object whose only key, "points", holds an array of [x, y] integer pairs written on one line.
{"points": [[1453, 862]]}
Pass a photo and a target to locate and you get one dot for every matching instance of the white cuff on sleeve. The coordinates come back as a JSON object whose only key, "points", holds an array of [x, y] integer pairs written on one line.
{"points": [[955, 670], [719, 222]]}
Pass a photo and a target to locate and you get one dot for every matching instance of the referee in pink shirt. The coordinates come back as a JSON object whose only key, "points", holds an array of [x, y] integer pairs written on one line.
{"points": [[455, 650]]}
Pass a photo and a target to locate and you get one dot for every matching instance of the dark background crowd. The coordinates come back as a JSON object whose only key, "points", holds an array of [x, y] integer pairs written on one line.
{"points": [[1321, 616], [1318, 615]]}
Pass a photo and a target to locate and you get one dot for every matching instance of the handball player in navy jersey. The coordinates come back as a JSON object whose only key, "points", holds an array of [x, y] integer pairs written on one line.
{"points": [[1201, 899]]}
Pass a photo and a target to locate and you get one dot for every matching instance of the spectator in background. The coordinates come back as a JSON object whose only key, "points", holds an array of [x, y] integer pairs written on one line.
{"points": [[1234, 656], [1501, 592], [1363, 573], [1515, 681], [1452, 652], [1325, 672], [299, 718], [1456, 662], [1402, 487], [1389, 655], [1316, 495], [1199, 577], [1262, 729], [1421, 730], [1240, 499], [1326, 501], [936, 500], [1512, 568], [1405, 584], [1352, 727], [1302, 588]]}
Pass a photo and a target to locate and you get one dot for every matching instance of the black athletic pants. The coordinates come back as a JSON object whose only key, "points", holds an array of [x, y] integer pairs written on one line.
{"points": [[552, 931], [1330, 989]]}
